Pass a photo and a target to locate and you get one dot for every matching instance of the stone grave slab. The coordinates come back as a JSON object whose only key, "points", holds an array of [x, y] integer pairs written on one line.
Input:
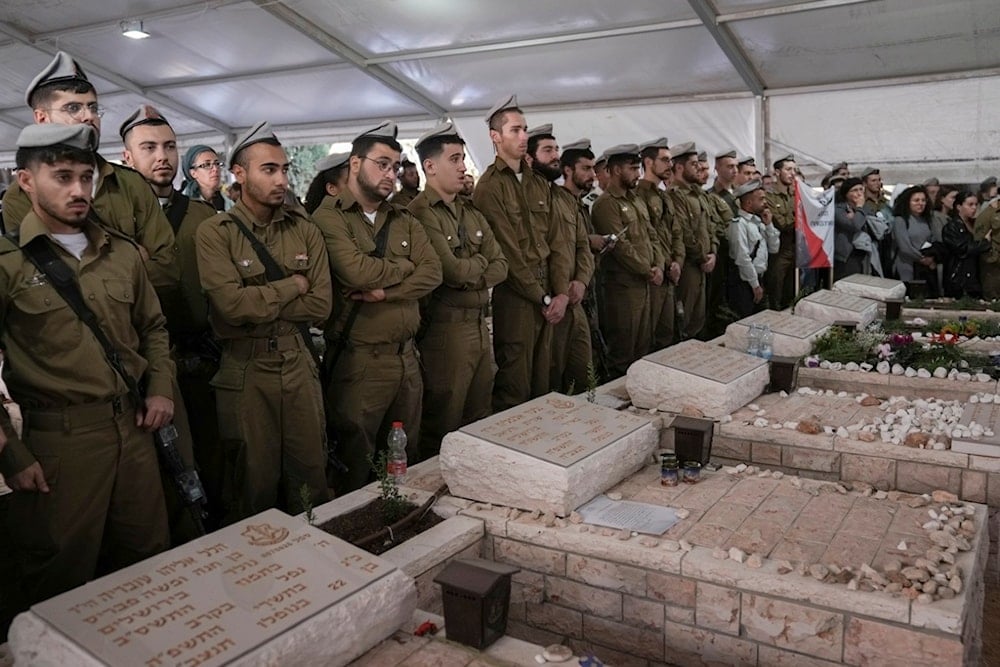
{"points": [[267, 590], [829, 307], [793, 335], [713, 379], [552, 453], [871, 287], [986, 415]]}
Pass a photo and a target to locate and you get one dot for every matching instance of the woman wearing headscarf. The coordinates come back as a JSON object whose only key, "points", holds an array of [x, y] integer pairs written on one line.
{"points": [[911, 234], [961, 275], [202, 171]]}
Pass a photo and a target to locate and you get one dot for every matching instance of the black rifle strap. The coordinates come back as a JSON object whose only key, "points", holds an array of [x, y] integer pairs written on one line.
{"points": [[177, 210], [273, 272], [41, 253], [381, 240], [753, 253]]}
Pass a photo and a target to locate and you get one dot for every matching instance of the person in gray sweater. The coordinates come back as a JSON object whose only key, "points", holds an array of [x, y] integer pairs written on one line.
{"points": [[911, 234]]}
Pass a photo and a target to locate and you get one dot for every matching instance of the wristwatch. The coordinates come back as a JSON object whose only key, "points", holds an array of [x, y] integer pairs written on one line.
{"points": [[546, 301]]}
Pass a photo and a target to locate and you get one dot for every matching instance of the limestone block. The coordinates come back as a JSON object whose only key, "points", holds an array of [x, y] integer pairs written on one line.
{"points": [[828, 306], [715, 380], [871, 287], [793, 335]]}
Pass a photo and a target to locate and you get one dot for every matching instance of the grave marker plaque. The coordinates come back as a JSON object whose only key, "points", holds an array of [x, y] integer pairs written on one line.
{"points": [[828, 307], [552, 453], [793, 335], [871, 287], [712, 379], [216, 599]]}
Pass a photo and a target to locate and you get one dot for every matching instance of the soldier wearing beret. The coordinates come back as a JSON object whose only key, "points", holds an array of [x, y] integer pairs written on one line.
{"points": [[87, 494], [455, 344], [375, 378], [61, 93], [526, 307], [330, 180], [151, 149], [700, 243], [719, 204], [571, 347], [752, 238], [781, 266], [270, 404], [635, 262], [409, 184], [656, 162]]}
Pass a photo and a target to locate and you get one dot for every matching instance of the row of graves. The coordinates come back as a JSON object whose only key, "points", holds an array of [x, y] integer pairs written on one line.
{"points": [[713, 507]]}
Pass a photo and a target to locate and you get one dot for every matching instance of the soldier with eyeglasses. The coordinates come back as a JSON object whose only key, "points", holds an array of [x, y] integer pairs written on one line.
{"points": [[202, 171], [61, 93]]}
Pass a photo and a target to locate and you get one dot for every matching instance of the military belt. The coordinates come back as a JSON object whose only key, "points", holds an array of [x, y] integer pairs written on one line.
{"points": [[376, 349], [77, 416], [255, 347]]}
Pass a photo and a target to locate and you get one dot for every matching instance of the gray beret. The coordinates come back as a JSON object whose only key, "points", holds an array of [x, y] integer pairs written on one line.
{"points": [[81, 136], [578, 145], [621, 149], [680, 150], [502, 105], [726, 153], [386, 130], [259, 132], [655, 143], [144, 115], [332, 160], [748, 187], [445, 129], [62, 68]]}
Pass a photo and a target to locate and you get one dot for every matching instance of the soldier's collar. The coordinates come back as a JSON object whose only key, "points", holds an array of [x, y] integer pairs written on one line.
{"points": [[616, 190], [434, 197], [346, 201], [501, 164], [32, 227]]}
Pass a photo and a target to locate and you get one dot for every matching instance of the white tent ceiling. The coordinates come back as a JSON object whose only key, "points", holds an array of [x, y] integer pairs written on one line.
{"points": [[907, 83]]}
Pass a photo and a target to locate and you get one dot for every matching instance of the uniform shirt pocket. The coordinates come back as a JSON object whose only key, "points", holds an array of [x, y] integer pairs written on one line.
{"points": [[298, 262], [251, 271], [44, 320]]}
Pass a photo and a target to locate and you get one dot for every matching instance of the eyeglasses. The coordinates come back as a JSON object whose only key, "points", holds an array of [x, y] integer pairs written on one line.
{"points": [[75, 109], [208, 165], [385, 165]]}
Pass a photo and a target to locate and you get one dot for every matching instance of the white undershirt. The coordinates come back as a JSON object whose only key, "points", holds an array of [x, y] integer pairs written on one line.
{"points": [[520, 175], [371, 217], [75, 244]]}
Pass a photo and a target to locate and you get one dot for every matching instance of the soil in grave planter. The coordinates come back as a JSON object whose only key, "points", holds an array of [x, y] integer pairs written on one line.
{"points": [[370, 519]]}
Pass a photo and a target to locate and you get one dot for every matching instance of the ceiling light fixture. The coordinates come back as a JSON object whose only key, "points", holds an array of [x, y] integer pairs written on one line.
{"points": [[133, 30]]}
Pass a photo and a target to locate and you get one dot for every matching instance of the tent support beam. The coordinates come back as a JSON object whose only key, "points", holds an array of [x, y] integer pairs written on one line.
{"points": [[250, 76], [786, 9], [546, 40], [723, 36], [287, 15], [127, 84]]}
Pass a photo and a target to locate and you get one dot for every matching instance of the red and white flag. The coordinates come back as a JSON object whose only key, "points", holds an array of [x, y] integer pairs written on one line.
{"points": [[813, 227]]}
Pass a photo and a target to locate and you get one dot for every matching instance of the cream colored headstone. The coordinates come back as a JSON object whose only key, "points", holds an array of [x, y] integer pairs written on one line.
{"points": [[828, 306], [793, 335]]}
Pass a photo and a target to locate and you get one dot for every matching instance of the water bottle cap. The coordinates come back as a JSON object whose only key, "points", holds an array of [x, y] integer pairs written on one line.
{"points": [[397, 424]]}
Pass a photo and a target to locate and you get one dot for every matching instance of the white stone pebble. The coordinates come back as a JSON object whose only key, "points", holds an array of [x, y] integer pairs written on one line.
{"points": [[760, 422]]}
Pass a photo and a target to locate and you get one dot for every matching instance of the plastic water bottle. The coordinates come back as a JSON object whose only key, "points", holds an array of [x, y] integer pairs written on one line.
{"points": [[766, 342], [753, 340], [396, 466]]}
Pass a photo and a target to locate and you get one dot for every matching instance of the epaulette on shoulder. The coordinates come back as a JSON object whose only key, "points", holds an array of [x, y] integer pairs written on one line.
{"points": [[125, 167]]}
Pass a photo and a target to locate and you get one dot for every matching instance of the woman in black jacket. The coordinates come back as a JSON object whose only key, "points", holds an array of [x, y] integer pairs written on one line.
{"points": [[961, 274]]}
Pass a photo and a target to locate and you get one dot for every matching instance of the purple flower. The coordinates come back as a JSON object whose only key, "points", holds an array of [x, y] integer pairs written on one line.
{"points": [[885, 351], [812, 362]]}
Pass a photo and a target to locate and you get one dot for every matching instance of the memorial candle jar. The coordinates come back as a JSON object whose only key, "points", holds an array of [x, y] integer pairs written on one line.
{"points": [[692, 472], [669, 470]]}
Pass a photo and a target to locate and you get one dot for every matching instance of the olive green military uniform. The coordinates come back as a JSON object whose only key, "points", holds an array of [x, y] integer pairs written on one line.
{"points": [[377, 378], [625, 276], [124, 202], [405, 196], [269, 400], [661, 298], [105, 501], [195, 349], [780, 277], [572, 354], [988, 222], [539, 263], [699, 241], [718, 314], [455, 349]]}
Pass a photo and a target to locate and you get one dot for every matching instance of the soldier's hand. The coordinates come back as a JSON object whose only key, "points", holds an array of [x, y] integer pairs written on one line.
{"points": [[709, 264], [158, 413], [656, 276], [758, 294], [675, 272], [371, 296], [766, 216], [576, 291], [143, 253], [556, 310], [302, 282], [596, 242], [30, 479]]}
